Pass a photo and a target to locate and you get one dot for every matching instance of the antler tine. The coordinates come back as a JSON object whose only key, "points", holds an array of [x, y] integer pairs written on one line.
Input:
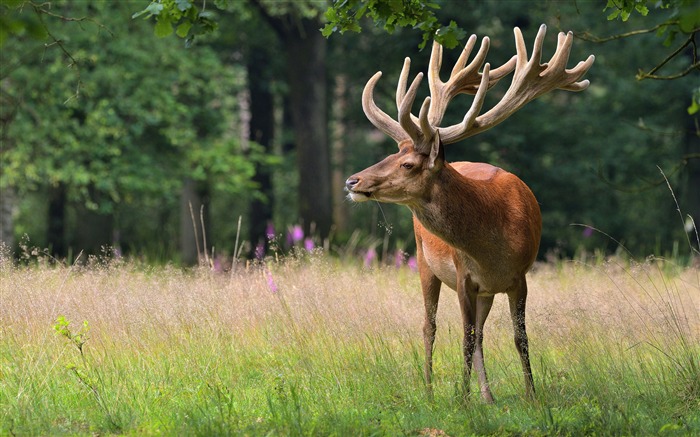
{"points": [[454, 131], [379, 118], [561, 54], [461, 77], [574, 74], [536, 48], [403, 81], [464, 56], [530, 80], [405, 116], [577, 72], [428, 130]]}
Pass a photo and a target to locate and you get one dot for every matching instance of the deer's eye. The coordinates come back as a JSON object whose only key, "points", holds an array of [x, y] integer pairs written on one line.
{"points": [[407, 165]]}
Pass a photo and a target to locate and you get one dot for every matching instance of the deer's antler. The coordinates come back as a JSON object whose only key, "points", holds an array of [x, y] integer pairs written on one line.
{"points": [[531, 79]]}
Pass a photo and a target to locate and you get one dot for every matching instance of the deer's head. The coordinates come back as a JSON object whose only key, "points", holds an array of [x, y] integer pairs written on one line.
{"points": [[406, 176]]}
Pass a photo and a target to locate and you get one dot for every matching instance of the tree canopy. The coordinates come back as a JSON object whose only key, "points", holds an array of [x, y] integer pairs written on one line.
{"points": [[104, 117]]}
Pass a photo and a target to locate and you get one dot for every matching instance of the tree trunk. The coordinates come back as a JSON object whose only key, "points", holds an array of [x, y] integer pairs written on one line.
{"points": [[56, 224], [262, 124], [194, 203], [306, 67], [93, 232], [8, 202], [340, 208]]}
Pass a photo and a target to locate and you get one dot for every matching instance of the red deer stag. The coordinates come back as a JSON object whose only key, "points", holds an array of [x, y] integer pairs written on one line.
{"points": [[477, 227]]}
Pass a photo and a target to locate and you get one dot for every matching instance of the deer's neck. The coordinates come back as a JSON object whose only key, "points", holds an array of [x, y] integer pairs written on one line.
{"points": [[458, 210]]}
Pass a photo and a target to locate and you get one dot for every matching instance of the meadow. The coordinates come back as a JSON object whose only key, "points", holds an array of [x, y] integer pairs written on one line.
{"points": [[314, 346]]}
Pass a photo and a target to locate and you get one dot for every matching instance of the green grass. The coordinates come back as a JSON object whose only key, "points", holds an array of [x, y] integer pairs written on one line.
{"points": [[337, 350]]}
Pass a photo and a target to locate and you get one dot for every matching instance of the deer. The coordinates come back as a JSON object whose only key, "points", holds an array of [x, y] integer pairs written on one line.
{"points": [[477, 227]]}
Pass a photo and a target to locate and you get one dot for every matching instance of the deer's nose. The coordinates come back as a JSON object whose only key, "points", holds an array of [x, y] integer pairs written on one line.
{"points": [[351, 182]]}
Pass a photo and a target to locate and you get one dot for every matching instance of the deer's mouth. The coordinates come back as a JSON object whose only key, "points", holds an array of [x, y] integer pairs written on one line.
{"points": [[359, 196]]}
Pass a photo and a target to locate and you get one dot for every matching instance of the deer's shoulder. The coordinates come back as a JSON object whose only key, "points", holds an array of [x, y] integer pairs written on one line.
{"points": [[477, 170]]}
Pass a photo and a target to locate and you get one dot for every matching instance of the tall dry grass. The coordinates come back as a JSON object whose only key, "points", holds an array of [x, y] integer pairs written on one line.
{"points": [[310, 331]]}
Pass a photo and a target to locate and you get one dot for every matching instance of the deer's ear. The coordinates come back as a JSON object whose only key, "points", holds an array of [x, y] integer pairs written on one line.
{"points": [[437, 152]]}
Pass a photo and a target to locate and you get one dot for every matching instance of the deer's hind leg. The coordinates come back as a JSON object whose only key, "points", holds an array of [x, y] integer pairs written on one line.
{"points": [[516, 300]]}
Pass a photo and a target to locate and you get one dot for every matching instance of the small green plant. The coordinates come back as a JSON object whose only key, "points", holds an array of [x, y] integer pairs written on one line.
{"points": [[78, 339], [88, 375]]}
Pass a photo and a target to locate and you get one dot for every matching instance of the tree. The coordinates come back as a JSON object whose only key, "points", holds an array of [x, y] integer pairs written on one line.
{"points": [[296, 25], [128, 136]]}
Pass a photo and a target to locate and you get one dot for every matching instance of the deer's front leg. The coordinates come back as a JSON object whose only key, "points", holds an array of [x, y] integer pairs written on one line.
{"points": [[430, 285], [467, 304], [483, 307]]}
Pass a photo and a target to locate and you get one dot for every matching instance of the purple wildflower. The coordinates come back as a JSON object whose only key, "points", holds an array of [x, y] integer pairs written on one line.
{"points": [[309, 244], [260, 251], [398, 258], [296, 234], [587, 232], [270, 231], [412, 263], [370, 256], [270, 281]]}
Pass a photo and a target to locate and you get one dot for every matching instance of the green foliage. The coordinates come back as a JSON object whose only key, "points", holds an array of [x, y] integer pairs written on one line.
{"points": [[181, 15], [12, 25], [127, 122], [119, 119], [695, 104], [687, 12], [86, 372], [77, 339], [345, 15], [685, 17], [622, 9]]}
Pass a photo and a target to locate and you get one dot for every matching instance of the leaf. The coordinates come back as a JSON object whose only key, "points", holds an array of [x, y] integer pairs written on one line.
{"points": [[163, 27], [12, 3], [449, 36], [689, 20], [642, 9], [183, 5], [695, 103], [152, 9], [328, 30], [614, 15], [183, 29]]}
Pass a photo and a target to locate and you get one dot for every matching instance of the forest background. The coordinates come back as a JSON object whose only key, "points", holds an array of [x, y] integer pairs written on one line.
{"points": [[113, 137]]}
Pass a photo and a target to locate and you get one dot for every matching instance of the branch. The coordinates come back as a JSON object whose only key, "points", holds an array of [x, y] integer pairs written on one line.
{"points": [[39, 13], [39, 8], [646, 183], [587, 36], [695, 65], [641, 75]]}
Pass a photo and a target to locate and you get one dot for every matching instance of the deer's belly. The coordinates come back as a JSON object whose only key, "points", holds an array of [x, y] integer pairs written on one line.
{"points": [[443, 266]]}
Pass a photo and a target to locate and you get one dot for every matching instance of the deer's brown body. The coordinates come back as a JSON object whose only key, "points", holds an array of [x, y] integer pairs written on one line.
{"points": [[477, 227], [496, 257]]}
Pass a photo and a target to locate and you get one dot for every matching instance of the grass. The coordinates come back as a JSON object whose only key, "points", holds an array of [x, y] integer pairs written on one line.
{"points": [[337, 350]]}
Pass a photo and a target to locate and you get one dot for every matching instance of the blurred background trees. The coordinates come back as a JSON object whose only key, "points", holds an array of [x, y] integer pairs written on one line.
{"points": [[113, 137]]}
